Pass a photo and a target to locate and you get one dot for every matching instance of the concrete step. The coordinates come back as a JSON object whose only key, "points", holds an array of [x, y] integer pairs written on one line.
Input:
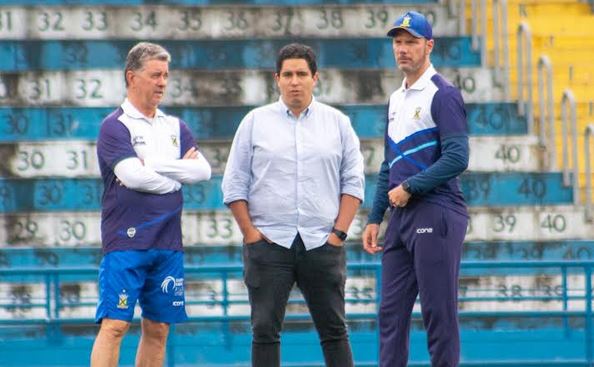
{"points": [[83, 194], [247, 20], [564, 41], [252, 53], [217, 229], [566, 70], [550, 26], [219, 123], [193, 88], [542, 223], [528, 8], [537, 9], [562, 59], [203, 2], [562, 34], [514, 188], [75, 158], [205, 254]]}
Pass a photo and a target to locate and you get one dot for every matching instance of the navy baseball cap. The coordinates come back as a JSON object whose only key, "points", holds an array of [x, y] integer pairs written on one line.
{"points": [[414, 23]]}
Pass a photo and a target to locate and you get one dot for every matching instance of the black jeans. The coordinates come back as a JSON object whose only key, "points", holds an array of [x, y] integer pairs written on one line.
{"points": [[270, 271]]}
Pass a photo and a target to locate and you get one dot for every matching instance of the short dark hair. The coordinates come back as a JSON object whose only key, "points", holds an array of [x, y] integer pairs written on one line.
{"points": [[143, 52], [297, 51]]}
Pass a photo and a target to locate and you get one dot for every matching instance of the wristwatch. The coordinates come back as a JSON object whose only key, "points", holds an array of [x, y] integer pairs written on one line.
{"points": [[340, 234], [406, 186]]}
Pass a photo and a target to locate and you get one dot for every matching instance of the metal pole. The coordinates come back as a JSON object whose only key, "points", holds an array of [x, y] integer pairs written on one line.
{"points": [[565, 298], [484, 33], [462, 15], [588, 326], [496, 40], [589, 205], [505, 38], [525, 106], [546, 109], [474, 24], [568, 102], [48, 296]]}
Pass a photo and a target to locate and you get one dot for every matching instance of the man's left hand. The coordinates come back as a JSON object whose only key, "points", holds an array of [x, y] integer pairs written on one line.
{"points": [[335, 241], [398, 197], [192, 153]]}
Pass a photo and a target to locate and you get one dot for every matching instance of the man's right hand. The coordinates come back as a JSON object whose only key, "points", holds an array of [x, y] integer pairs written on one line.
{"points": [[370, 235], [253, 235]]}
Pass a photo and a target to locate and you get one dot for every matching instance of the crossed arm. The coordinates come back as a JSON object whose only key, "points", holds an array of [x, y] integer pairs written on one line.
{"points": [[161, 176]]}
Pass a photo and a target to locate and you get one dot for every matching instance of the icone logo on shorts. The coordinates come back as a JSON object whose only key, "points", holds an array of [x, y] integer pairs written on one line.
{"points": [[424, 230]]}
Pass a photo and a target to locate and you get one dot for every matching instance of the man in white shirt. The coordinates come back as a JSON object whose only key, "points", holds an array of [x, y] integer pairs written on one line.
{"points": [[145, 157], [294, 181]]}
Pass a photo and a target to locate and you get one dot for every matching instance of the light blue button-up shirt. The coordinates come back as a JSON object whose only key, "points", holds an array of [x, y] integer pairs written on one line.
{"points": [[292, 171]]}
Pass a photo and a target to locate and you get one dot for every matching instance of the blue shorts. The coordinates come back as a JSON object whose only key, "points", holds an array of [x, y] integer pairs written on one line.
{"points": [[153, 277]]}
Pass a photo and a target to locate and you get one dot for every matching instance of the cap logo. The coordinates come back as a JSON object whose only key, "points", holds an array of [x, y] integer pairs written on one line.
{"points": [[405, 22]]}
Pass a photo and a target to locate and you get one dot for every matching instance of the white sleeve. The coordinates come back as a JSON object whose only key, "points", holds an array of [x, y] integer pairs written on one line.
{"points": [[136, 176], [237, 176], [186, 171]]}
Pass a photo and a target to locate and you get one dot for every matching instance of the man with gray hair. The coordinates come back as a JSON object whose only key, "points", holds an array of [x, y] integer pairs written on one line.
{"points": [[144, 156]]}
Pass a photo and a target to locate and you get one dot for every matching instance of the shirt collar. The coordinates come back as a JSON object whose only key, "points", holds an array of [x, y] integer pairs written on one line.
{"points": [[305, 112], [133, 112], [423, 81]]}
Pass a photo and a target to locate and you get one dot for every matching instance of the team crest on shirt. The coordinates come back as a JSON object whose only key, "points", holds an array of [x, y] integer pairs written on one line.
{"points": [[392, 116], [138, 140], [174, 141], [417, 115], [131, 232], [123, 300]]}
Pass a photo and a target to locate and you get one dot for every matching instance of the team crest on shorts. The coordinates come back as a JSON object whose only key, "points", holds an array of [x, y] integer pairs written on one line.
{"points": [[123, 300]]}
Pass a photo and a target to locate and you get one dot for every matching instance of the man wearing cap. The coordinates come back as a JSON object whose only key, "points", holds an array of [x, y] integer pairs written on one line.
{"points": [[426, 149]]}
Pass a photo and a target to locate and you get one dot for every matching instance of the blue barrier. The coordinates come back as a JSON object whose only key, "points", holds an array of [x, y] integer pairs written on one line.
{"points": [[219, 55], [528, 250], [223, 336], [34, 123], [500, 189]]}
